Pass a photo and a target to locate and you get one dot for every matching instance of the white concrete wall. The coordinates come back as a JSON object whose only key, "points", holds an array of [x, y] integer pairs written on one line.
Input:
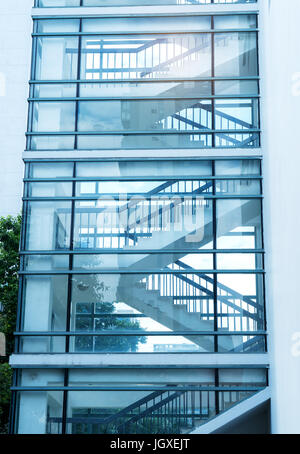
{"points": [[281, 141], [15, 57]]}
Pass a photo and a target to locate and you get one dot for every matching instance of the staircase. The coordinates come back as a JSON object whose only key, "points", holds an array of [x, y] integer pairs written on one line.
{"points": [[173, 411], [182, 301], [160, 58]]}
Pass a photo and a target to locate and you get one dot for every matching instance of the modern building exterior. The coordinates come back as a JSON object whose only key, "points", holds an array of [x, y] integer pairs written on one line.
{"points": [[151, 290]]}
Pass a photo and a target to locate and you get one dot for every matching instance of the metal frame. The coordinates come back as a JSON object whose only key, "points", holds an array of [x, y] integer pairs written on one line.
{"points": [[210, 2], [209, 133]]}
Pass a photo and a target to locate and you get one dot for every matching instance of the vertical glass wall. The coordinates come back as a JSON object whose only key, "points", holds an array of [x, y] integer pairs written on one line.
{"points": [[93, 401], [143, 256], [61, 3], [145, 83]]}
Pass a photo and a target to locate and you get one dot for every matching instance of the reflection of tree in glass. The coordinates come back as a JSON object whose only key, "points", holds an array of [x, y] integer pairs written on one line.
{"points": [[100, 316]]}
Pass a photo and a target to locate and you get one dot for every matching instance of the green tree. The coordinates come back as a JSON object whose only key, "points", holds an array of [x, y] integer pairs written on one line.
{"points": [[10, 228], [5, 384], [9, 283], [99, 315]]}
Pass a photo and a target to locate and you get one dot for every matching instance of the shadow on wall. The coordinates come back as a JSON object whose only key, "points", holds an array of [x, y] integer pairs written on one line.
{"points": [[256, 421]]}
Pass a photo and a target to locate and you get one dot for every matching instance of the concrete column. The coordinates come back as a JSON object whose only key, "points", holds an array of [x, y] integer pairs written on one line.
{"points": [[280, 68]]}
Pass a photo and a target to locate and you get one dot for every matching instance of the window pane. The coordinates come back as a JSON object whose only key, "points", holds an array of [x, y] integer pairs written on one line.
{"points": [[156, 57], [61, 189], [181, 223], [146, 89], [148, 168], [238, 167], [53, 116], [236, 87], [235, 21], [58, 25], [37, 143], [56, 58], [51, 170], [48, 225], [45, 305], [236, 54], [37, 410], [239, 224], [54, 90], [141, 24], [148, 141], [144, 115]]}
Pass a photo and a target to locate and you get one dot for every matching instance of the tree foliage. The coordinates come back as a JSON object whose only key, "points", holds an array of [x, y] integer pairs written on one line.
{"points": [[5, 383], [9, 266], [10, 228]]}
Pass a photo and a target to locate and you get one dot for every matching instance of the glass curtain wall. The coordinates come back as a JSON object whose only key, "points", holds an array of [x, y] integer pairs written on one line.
{"points": [[143, 256], [93, 401], [150, 84], [61, 3]]}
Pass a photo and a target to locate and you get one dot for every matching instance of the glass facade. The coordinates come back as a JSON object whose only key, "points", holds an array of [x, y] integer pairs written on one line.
{"points": [[93, 401], [61, 3], [168, 82], [131, 254]]}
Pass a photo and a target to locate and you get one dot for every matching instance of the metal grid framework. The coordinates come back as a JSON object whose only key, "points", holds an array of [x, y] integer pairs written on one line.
{"points": [[221, 396], [187, 283], [214, 120], [62, 3], [186, 405]]}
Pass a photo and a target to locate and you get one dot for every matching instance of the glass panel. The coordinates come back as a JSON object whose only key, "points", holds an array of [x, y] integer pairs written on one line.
{"points": [[40, 412], [42, 344], [157, 141], [236, 114], [142, 261], [144, 188], [146, 89], [236, 54], [240, 303], [41, 377], [51, 170], [53, 116], [168, 223], [151, 375], [142, 344], [46, 262], [226, 140], [145, 115], [236, 87], [49, 189], [45, 306], [241, 344], [236, 21], [238, 167], [238, 187], [58, 25], [239, 224], [127, 411], [56, 58], [242, 377], [239, 261], [51, 143], [147, 168], [54, 90], [48, 225], [142, 24], [182, 302], [156, 57], [228, 399], [55, 3]]}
